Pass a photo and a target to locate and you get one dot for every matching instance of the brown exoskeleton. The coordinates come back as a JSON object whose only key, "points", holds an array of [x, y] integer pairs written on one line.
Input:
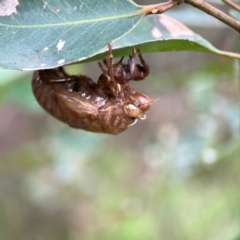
{"points": [[126, 72], [108, 106]]}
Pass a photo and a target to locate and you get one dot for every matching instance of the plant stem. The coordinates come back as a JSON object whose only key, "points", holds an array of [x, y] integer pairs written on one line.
{"points": [[232, 4], [200, 4], [209, 9], [160, 7]]}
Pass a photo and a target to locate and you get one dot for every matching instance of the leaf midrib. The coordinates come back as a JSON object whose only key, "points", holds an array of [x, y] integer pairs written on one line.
{"points": [[132, 14]]}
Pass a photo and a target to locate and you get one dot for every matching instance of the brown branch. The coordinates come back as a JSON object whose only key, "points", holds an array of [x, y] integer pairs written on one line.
{"points": [[160, 7], [209, 9], [232, 4], [201, 5]]}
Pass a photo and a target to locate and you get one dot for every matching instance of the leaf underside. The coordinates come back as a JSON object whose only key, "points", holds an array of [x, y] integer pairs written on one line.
{"points": [[161, 33], [47, 34], [50, 34]]}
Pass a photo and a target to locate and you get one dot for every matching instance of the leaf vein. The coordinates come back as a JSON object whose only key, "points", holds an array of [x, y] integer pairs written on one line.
{"points": [[133, 14], [54, 12], [89, 8]]}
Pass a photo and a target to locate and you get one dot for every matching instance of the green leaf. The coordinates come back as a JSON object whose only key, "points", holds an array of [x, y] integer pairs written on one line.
{"points": [[50, 34], [161, 33], [45, 34]]}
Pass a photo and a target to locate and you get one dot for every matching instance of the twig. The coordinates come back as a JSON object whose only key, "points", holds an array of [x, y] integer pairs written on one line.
{"points": [[209, 9], [232, 4], [160, 8], [200, 4]]}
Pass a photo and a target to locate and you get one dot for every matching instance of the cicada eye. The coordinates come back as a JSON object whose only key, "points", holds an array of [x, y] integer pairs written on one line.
{"points": [[142, 101], [133, 111]]}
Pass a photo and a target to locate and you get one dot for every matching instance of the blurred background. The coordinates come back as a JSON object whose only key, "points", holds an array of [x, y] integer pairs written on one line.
{"points": [[172, 176]]}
